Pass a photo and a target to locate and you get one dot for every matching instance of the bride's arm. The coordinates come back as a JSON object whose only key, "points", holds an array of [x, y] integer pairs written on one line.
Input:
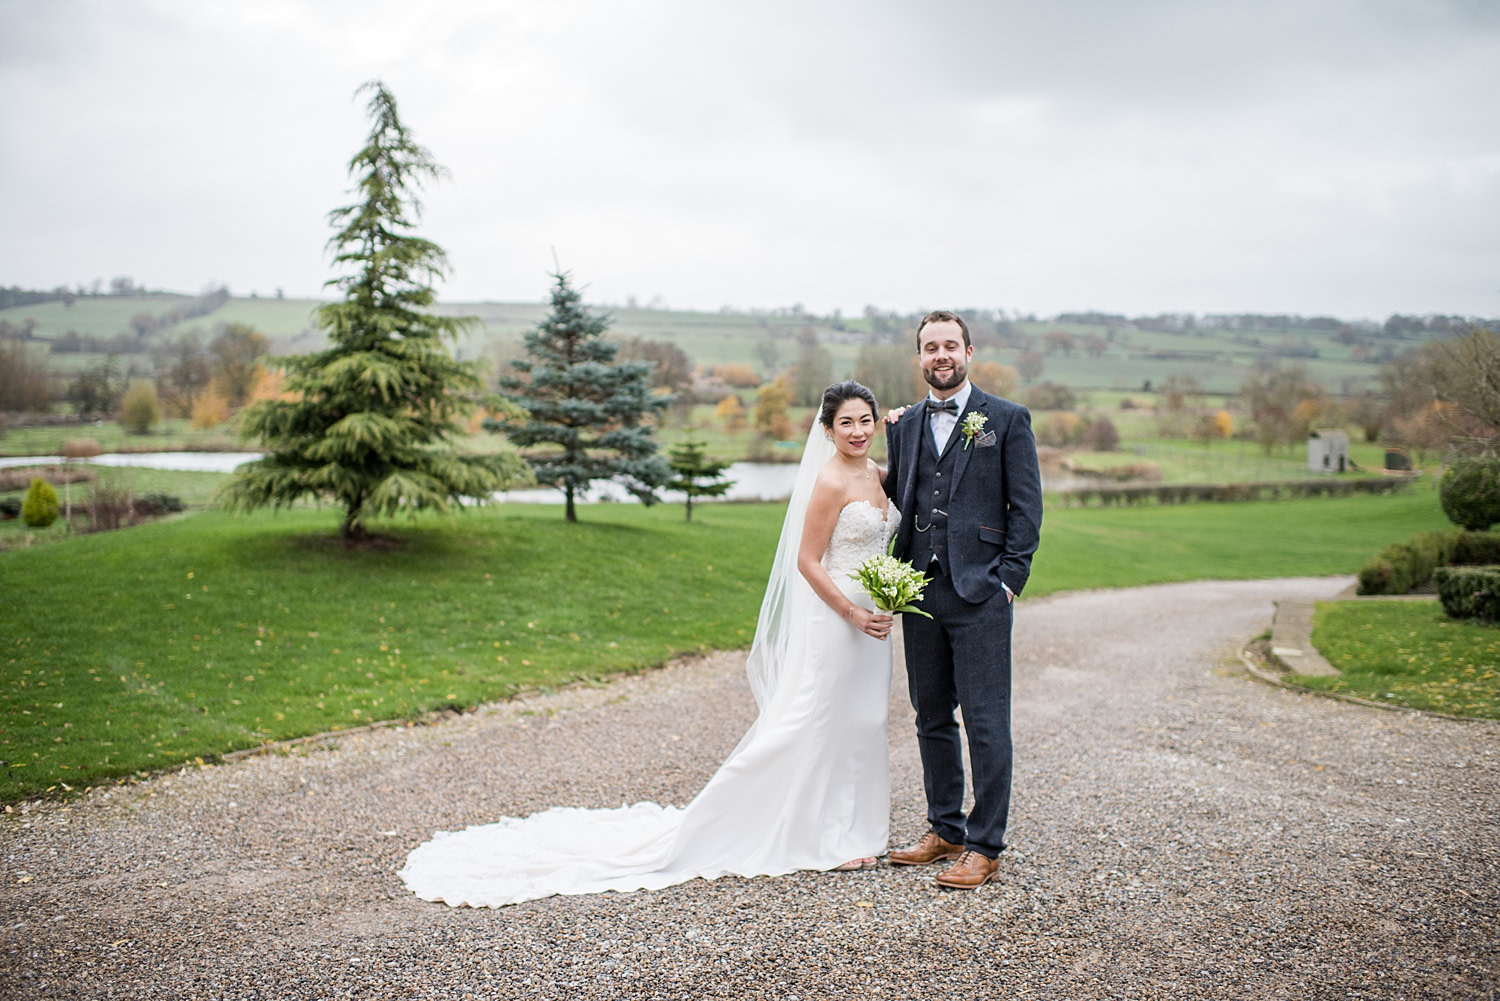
{"points": [[817, 530]]}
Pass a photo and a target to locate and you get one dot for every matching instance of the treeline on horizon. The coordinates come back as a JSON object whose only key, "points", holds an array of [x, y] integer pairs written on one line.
{"points": [[208, 373], [1396, 325]]}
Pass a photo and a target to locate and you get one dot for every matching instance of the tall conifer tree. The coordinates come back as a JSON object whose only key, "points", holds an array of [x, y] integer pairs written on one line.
{"points": [[368, 423], [592, 411]]}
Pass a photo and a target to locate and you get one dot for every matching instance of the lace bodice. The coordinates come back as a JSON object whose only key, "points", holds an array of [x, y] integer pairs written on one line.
{"points": [[859, 534]]}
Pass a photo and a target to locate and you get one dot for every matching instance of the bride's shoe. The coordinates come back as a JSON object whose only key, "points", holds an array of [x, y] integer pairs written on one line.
{"points": [[854, 865]]}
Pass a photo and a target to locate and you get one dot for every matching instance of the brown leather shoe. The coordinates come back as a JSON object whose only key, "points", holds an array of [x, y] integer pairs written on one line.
{"points": [[971, 871], [930, 849]]}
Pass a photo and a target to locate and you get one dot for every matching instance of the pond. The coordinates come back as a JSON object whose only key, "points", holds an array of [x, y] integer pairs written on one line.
{"points": [[762, 481], [753, 481]]}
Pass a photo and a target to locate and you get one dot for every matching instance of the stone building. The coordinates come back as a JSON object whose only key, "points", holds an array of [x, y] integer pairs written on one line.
{"points": [[1328, 451]]}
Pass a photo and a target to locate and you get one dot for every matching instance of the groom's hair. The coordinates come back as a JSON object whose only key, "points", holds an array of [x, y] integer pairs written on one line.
{"points": [[943, 316]]}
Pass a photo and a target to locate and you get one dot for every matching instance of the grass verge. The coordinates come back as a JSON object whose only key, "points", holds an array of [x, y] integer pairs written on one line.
{"points": [[131, 651], [1408, 652]]}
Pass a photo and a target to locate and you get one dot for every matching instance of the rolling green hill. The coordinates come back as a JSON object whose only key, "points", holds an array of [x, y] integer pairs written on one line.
{"points": [[1132, 357]]}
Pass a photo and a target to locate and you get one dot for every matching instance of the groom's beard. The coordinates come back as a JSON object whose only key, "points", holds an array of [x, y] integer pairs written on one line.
{"points": [[946, 380]]}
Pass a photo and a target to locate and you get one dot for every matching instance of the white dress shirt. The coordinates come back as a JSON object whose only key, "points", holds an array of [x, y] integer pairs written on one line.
{"points": [[942, 422]]}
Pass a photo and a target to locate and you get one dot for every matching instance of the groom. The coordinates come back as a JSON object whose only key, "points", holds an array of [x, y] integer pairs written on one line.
{"points": [[963, 471]]}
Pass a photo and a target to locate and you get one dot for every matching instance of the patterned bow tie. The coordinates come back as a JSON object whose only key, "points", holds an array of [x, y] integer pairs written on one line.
{"points": [[942, 406]]}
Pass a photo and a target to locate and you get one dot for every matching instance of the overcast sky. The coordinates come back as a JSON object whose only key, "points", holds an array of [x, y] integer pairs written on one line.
{"points": [[1136, 156]]}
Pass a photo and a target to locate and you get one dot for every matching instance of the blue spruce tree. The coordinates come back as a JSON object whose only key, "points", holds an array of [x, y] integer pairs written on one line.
{"points": [[590, 417]]}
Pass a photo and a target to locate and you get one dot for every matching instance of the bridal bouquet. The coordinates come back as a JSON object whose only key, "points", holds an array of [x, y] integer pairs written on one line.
{"points": [[893, 583]]}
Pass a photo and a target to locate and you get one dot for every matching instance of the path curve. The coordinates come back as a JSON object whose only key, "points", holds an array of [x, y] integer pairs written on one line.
{"points": [[1179, 830]]}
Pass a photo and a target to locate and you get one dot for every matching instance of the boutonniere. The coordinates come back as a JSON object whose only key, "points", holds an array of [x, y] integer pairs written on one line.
{"points": [[973, 424]]}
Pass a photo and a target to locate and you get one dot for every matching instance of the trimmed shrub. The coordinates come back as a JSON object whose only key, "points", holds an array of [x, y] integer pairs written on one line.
{"points": [[1470, 592], [40, 508], [1470, 492], [10, 508], [1477, 549], [1403, 566], [157, 504]]}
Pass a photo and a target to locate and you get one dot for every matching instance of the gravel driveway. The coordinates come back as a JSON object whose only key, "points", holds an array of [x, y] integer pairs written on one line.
{"points": [[1179, 831]]}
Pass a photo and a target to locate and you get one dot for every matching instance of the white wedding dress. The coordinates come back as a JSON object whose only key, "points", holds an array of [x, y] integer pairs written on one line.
{"points": [[808, 787]]}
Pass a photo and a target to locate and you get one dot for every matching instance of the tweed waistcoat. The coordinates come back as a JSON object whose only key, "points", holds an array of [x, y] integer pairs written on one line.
{"points": [[933, 480]]}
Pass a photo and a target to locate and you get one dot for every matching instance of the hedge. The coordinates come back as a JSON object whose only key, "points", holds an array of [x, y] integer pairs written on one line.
{"points": [[1187, 493], [1470, 592], [1403, 566]]}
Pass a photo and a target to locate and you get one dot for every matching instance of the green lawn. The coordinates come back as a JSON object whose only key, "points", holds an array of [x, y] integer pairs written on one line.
{"points": [[138, 649], [173, 435], [1113, 547], [130, 651], [1408, 653]]}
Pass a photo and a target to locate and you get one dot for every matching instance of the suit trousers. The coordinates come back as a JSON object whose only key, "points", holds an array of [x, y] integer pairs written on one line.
{"points": [[960, 658]]}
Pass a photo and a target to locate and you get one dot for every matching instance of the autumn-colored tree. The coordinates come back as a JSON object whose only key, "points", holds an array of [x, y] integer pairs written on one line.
{"points": [[183, 369], [993, 377], [1223, 424], [1210, 428], [738, 375], [236, 351], [732, 412], [1061, 430], [271, 386], [771, 405], [209, 408], [1273, 394]]}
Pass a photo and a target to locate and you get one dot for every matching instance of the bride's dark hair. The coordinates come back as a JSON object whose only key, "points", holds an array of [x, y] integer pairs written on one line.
{"points": [[838, 394]]}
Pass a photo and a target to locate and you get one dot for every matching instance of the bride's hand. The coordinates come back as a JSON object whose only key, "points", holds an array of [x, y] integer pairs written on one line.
{"points": [[876, 624], [892, 416]]}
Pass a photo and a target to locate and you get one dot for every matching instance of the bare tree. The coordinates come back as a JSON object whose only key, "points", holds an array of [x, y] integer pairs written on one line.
{"points": [[1464, 372]]}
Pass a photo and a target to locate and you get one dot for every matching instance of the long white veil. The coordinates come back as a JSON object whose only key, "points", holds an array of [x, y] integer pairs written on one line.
{"points": [[783, 611]]}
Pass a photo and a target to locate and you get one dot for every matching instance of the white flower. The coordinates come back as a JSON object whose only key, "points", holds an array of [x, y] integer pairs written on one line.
{"points": [[973, 424], [893, 584]]}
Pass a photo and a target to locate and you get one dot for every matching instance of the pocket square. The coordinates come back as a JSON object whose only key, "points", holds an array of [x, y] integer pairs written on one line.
{"points": [[986, 440]]}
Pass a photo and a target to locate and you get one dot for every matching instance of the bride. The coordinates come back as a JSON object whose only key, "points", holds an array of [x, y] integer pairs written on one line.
{"points": [[808, 787]]}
